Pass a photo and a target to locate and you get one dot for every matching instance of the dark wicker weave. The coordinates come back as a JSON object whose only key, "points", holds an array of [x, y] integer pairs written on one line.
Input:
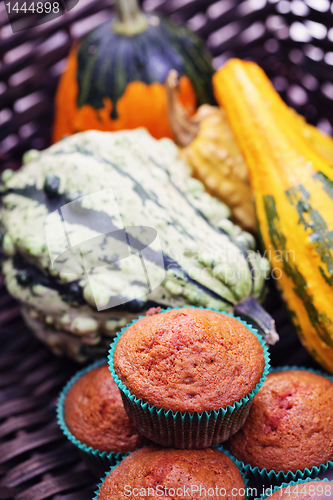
{"points": [[292, 41]]}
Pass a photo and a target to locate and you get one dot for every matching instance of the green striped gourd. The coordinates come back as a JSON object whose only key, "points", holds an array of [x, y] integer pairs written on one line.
{"points": [[207, 260]]}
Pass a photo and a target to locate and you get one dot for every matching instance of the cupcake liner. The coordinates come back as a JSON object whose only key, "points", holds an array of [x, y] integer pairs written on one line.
{"points": [[97, 461], [263, 477], [184, 429], [295, 483], [218, 447]]}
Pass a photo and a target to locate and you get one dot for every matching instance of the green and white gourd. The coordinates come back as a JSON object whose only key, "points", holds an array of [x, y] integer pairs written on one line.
{"points": [[209, 261]]}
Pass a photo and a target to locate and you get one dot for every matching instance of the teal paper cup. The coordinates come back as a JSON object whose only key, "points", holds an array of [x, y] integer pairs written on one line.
{"points": [[218, 447], [296, 487], [183, 429], [97, 461], [259, 478]]}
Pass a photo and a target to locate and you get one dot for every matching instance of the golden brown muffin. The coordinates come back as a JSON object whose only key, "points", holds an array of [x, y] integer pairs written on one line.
{"points": [[189, 360], [313, 490], [164, 472], [95, 415], [290, 425]]}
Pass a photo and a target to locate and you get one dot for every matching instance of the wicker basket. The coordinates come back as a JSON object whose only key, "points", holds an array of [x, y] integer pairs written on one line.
{"points": [[291, 40]]}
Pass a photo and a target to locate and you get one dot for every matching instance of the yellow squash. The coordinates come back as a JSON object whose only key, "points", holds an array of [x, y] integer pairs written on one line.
{"points": [[293, 187], [208, 145]]}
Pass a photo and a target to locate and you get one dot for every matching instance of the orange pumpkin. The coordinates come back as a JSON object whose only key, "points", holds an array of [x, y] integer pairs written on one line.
{"points": [[115, 76]]}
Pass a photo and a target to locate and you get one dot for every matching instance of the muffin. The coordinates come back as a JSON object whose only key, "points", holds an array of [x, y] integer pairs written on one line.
{"points": [[170, 359], [188, 362], [290, 425], [164, 473], [95, 414], [312, 490], [92, 415]]}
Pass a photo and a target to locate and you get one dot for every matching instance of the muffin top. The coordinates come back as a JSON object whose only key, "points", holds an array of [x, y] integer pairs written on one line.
{"points": [[165, 472], [189, 360], [95, 415], [312, 490], [290, 425]]}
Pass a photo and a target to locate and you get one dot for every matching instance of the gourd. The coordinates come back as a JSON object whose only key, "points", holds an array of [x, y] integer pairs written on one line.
{"points": [[115, 75], [293, 188], [208, 145], [106, 182]]}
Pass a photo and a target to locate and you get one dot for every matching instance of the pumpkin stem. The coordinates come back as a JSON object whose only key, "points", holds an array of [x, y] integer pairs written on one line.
{"points": [[130, 21], [183, 128]]}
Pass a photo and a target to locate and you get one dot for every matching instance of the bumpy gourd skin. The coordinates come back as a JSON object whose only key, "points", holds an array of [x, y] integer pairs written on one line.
{"points": [[95, 415], [189, 360], [293, 188], [290, 425], [159, 468]]}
